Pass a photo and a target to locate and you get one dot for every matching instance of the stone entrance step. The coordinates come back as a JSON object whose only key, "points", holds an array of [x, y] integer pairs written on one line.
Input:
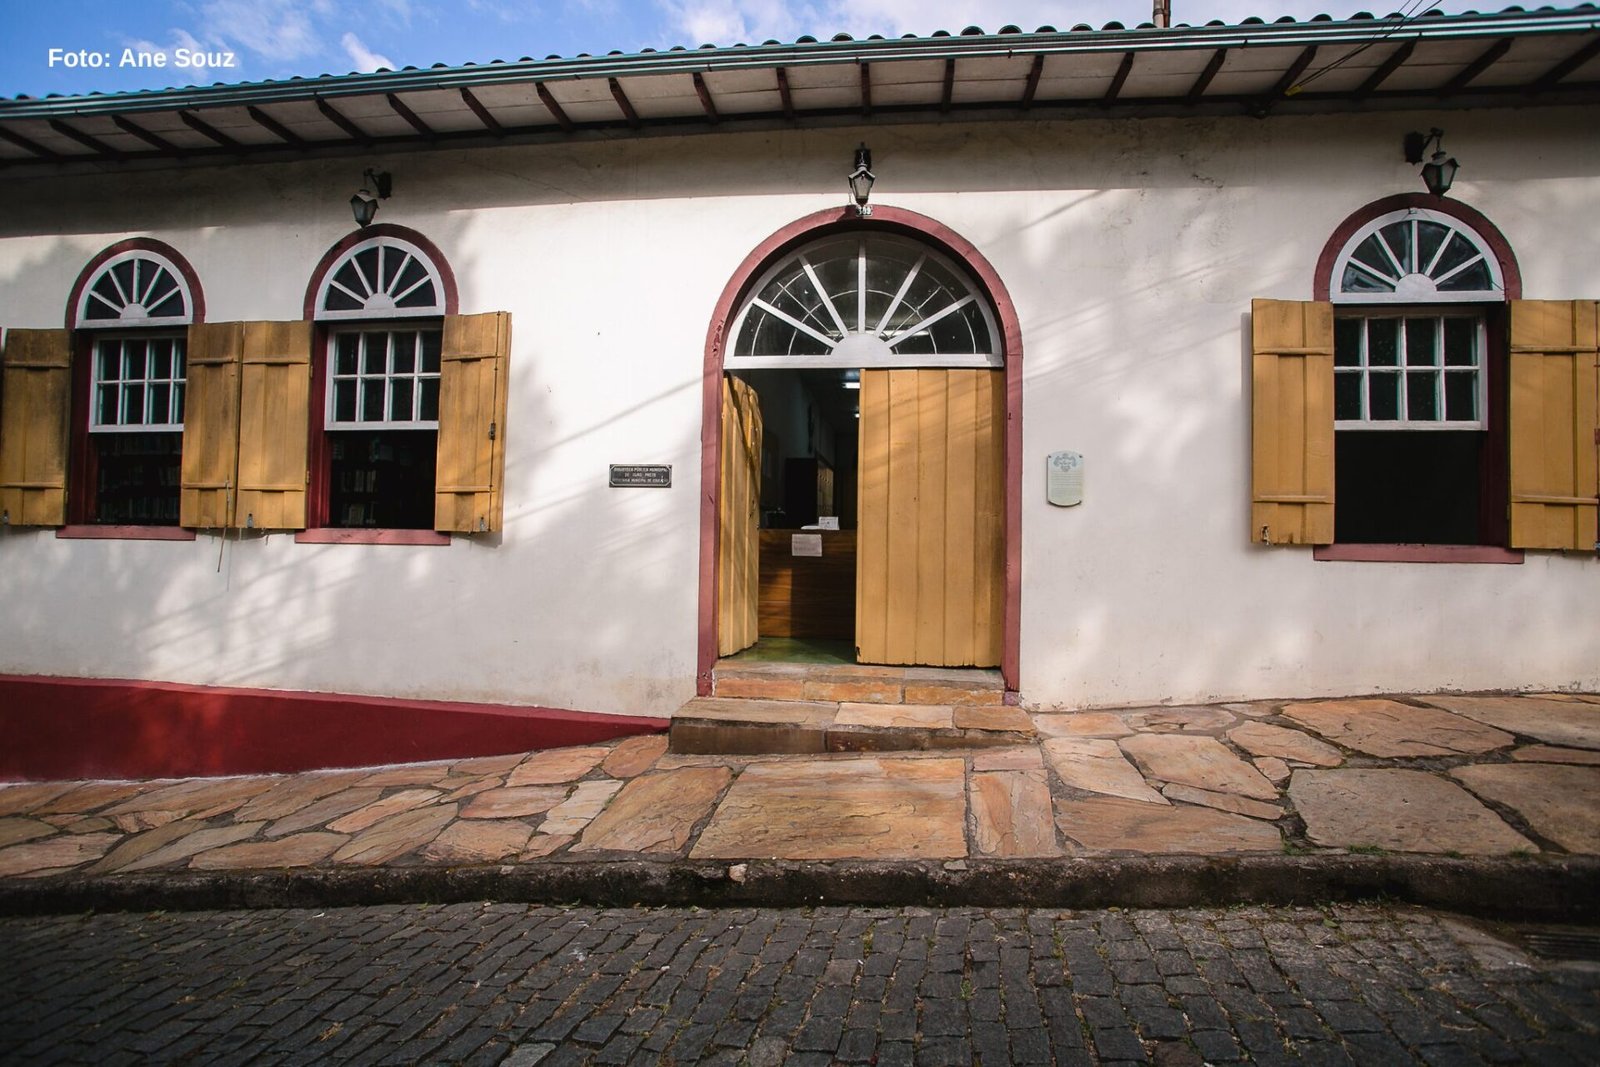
{"points": [[845, 682], [739, 726]]}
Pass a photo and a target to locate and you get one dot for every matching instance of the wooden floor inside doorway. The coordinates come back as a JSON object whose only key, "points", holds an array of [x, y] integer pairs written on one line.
{"points": [[794, 650]]}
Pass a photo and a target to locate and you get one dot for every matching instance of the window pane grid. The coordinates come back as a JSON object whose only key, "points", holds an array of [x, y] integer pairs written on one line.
{"points": [[1419, 371], [383, 379], [137, 384]]}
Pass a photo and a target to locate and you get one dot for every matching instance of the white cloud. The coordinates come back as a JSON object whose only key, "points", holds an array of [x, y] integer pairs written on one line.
{"points": [[505, 10], [278, 30], [364, 58], [725, 22], [180, 39], [185, 39], [895, 17]]}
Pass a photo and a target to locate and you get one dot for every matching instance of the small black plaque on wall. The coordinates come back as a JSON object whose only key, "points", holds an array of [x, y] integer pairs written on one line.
{"points": [[641, 475]]}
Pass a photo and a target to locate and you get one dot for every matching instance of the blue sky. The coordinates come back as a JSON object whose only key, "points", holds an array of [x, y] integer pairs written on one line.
{"points": [[283, 38]]}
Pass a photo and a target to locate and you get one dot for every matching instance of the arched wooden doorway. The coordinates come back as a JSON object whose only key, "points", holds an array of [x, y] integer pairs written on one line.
{"points": [[935, 337]]}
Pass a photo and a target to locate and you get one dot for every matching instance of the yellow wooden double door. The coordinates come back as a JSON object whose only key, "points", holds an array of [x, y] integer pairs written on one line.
{"points": [[930, 566]]}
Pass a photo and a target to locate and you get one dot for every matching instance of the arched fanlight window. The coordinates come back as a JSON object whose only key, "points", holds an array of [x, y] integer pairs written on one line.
{"points": [[135, 288], [1416, 256], [861, 300], [384, 277]]}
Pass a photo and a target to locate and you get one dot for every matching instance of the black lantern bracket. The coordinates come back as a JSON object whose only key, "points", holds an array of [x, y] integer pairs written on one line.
{"points": [[861, 179], [364, 204], [1439, 172]]}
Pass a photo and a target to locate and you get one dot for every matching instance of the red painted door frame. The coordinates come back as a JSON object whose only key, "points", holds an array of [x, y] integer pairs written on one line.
{"points": [[885, 219]]}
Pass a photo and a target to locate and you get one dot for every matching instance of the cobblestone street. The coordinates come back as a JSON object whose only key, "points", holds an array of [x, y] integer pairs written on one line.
{"points": [[518, 985]]}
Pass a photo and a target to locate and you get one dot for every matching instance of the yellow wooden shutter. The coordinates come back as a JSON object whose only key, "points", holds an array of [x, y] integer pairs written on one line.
{"points": [[739, 519], [468, 493], [211, 425], [929, 571], [1555, 430], [35, 406], [1292, 422], [274, 413]]}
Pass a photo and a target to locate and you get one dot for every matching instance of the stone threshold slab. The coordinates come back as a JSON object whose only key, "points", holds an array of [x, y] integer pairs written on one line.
{"points": [[725, 726], [971, 687], [1565, 889]]}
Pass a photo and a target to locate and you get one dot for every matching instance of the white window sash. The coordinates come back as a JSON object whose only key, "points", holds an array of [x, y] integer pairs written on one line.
{"points": [[1402, 371], [174, 385], [388, 376]]}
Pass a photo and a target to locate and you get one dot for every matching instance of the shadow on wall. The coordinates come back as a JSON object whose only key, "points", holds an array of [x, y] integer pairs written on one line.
{"points": [[252, 609], [1175, 438], [1356, 155]]}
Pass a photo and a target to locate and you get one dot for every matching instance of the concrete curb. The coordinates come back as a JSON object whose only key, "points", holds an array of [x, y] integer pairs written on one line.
{"points": [[1562, 889]]}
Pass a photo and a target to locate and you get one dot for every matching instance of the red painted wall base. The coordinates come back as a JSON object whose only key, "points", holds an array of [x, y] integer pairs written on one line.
{"points": [[61, 728]]}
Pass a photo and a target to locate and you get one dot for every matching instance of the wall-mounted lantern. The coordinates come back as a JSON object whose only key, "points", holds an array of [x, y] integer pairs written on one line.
{"points": [[861, 179], [364, 205], [1439, 173]]}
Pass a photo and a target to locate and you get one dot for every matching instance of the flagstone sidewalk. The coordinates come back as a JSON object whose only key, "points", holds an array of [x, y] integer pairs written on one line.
{"points": [[1440, 775]]}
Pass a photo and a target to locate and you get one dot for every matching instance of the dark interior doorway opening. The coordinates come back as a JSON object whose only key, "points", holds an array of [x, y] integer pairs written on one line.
{"points": [[807, 534]]}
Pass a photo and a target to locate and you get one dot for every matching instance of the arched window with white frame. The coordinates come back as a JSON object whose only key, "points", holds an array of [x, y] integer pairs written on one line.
{"points": [[135, 306], [861, 301], [1416, 255], [382, 301], [381, 277], [135, 288], [1419, 403]]}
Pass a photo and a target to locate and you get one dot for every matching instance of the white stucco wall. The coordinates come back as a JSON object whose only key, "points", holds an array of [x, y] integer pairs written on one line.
{"points": [[1131, 250]]}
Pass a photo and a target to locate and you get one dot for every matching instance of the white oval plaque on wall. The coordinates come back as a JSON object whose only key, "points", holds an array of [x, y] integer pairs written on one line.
{"points": [[1064, 479]]}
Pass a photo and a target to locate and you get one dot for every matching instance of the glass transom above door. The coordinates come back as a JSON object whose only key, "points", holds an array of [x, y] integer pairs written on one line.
{"points": [[864, 301]]}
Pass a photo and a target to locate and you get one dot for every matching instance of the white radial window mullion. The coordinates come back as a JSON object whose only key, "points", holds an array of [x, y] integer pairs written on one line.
{"points": [[923, 324], [107, 303], [900, 295], [823, 295], [796, 323], [1373, 272], [361, 272], [347, 291], [155, 279], [861, 286], [1400, 270], [116, 283], [413, 287], [1438, 254], [1458, 268], [792, 290]]}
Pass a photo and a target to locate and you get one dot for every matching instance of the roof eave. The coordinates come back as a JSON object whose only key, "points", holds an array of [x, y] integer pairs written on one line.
{"points": [[745, 57]]}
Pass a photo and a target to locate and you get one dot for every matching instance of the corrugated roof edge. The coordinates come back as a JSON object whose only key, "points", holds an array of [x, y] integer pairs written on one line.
{"points": [[808, 51]]}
